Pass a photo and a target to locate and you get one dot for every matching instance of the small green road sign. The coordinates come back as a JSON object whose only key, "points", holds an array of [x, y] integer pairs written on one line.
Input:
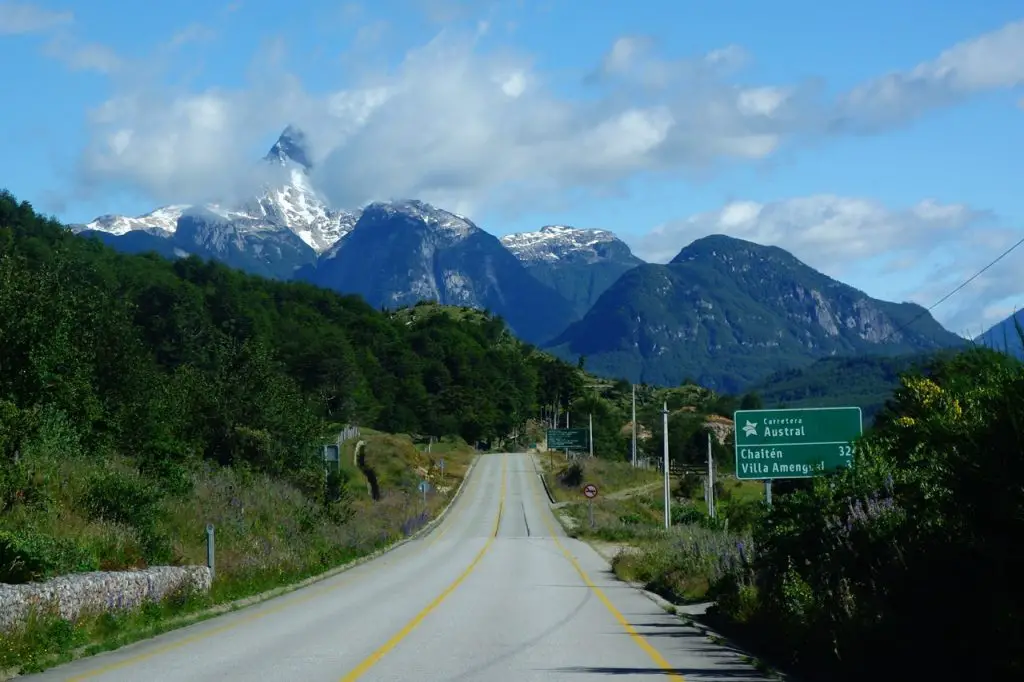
{"points": [[797, 443], [567, 439]]}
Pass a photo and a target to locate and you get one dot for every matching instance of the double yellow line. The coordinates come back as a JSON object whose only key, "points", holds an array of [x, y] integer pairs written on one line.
{"points": [[375, 657], [639, 639]]}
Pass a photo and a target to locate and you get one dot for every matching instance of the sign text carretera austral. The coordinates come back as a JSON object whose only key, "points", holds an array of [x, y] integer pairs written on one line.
{"points": [[796, 443]]}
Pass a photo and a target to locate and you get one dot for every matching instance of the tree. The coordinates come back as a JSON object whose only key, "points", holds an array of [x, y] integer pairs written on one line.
{"points": [[751, 401]]}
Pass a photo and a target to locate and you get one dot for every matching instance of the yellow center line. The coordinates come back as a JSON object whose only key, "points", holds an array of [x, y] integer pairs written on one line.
{"points": [[377, 655], [653, 653], [288, 601]]}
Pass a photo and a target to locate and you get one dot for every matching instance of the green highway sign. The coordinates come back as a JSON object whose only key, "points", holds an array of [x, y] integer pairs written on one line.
{"points": [[567, 439], [797, 443]]}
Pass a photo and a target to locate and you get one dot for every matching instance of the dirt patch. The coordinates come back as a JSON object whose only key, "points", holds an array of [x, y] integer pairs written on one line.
{"points": [[609, 550]]}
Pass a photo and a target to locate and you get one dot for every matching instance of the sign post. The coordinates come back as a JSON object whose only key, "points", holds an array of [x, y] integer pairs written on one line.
{"points": [[332, 457], [591, 435], [634, 425], [590, 490], [711, 481], [210, 550], [442, 470], [668, 487], [424, 487], [796, 443], [332, 465]]}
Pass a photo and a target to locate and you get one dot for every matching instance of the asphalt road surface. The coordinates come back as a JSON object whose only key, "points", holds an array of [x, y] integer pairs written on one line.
{"points": [[496, 593]]}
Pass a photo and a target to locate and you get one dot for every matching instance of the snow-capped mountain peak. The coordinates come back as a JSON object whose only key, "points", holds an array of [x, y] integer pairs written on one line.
{"points": [[297, 206], [553, 243], [292, 205]]}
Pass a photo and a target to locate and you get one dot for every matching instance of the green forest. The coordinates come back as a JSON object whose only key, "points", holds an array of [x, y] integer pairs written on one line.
{"points": [[145, 370]]}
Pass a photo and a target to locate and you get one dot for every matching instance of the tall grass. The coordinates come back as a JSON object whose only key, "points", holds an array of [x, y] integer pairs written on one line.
{"points": [[86, 514]]}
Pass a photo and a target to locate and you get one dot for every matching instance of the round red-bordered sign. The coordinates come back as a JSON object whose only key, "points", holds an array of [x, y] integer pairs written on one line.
{"points": [[590, 490]]}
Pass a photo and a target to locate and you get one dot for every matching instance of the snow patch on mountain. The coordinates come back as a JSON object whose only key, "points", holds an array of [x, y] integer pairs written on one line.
{"points": [[553, 243], [451, 225], [164, 219]]}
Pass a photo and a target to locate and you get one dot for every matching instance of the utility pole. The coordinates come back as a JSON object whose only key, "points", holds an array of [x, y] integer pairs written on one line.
{"points": [[711, 480], [591, 417], [567, 426], [634, 425], [664, 439]]}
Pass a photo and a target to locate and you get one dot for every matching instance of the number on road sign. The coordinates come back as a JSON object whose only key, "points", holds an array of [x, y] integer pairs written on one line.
{"points": [[590, 490]]}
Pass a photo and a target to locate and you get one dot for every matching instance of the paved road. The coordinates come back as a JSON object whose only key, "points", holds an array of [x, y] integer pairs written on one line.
{"points": [[496, 593]]}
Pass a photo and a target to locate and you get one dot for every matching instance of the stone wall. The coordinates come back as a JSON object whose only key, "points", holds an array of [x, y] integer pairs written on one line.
{"points": [[79, 593]]}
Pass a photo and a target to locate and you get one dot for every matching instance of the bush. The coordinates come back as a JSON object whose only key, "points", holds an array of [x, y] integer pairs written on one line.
{"points": [[122, 497], [686, 562], [686, 514], [689, 485], [28, 557], [743, 515], [572, 475]]}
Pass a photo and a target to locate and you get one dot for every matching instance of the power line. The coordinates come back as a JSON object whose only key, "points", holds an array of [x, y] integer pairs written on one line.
{"points": [[973, 277]]}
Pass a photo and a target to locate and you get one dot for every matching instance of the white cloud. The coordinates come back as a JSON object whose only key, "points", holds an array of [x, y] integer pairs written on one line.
{"points": [[18, 18], [24, 18], [456, 123], [823, 230], [992, 61], [885, 251], [83, 57], [451, 123]]}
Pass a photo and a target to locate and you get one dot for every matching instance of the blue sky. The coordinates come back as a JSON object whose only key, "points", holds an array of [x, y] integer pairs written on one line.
{"points": [[880, 143]]}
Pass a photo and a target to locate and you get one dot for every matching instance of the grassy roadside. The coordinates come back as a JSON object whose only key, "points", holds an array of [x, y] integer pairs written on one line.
{"points": [[680, 564], [269, 535], [610, 476]]}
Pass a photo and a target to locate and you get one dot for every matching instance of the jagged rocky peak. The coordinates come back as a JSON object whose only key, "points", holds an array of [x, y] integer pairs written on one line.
{"points": [[292, 145], [288, 204], [558, 243], [412, 212]]}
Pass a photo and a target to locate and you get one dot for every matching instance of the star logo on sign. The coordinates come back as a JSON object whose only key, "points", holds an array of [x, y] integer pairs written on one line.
{"points": [[750, 429]]}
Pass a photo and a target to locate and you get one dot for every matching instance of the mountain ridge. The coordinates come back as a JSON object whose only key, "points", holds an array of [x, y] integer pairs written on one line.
{"points": [[399, 253], [727, 312], [725, 309], [1003, 335]]}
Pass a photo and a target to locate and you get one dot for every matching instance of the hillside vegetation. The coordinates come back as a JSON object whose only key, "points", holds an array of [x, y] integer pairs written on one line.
{"points": [[864, 381], [902, 567], [142, 398]]}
